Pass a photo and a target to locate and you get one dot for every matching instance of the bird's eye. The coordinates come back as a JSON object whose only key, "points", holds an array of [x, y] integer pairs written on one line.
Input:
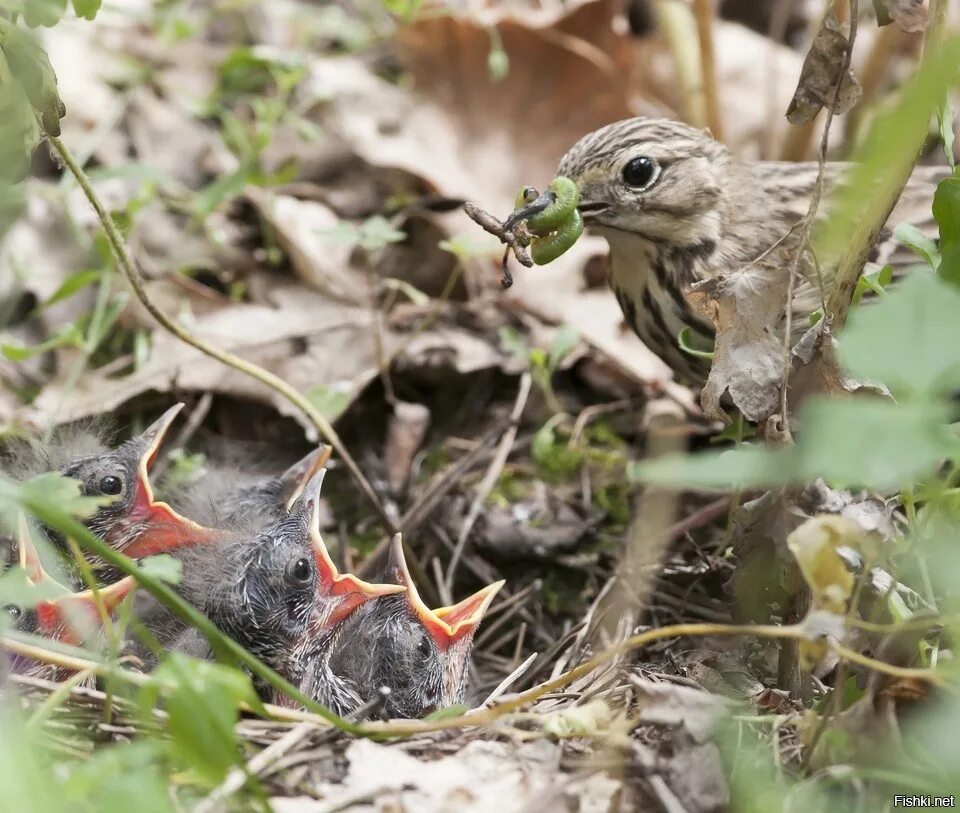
{"points": [[13, 611], [299, 571], [641, 172], [423, 648], [111, 485]]}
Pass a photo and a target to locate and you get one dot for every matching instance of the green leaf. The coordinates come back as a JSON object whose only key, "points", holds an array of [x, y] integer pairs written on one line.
{"points": [[19, 133], [376, 233], [120, 778], [203, 701], [945, 120], [163, 567], [564, 342], [87, 9], [746, 466], [946, 210], [330, 402], [16, 589], [68, 336], [32, 70], [71, 285], [872, 443], [43, 12], [885, 157], [447, 712], [865, 442], [876, 282], [684, 341], [63, 492], [909, 341], [913, 238], [226, 187]]}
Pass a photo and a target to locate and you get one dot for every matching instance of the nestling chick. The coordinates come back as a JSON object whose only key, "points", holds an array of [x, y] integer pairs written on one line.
{"points": [[257, 586], [72, 618], [338, 597], [134, 522], [398, 642], [217, 500]]}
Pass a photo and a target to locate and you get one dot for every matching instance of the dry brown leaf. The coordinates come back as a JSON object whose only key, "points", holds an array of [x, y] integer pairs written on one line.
{"points": [[820, 74], [744, 307], [306, 338], [669, 704], [814, 545], [406, 431], [303, 230], [569, 72], [910, 15]]}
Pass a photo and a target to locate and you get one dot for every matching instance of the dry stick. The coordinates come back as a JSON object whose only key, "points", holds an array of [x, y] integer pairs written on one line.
{"points": [[423, 507], [274, 382], [795, 632], [237, 777], [703, 13], [482, 717], [675, 22], [490, 478], [811, 213]]}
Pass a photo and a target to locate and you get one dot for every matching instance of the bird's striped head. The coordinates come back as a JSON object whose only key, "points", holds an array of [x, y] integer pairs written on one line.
{"points": [[655, 178]]}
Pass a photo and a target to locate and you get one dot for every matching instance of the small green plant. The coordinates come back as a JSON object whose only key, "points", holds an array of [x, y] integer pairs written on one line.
{"points": [[543, 364]]}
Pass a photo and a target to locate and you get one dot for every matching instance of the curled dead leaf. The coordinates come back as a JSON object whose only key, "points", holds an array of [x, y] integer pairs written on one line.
{"points": [[910, 15], [748, 356], [814, 545], [821, 74]]}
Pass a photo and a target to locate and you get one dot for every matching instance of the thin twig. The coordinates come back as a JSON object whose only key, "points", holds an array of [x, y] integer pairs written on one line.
{"points": [[703, 13], [237, 777], [441, 485], [490, 478], [265, 377], [811, 213]]}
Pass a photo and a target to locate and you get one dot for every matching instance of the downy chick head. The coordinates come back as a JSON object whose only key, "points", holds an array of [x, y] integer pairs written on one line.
{"points": [[420, 655]]}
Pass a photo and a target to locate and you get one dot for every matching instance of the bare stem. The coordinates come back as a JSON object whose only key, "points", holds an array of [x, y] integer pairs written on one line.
{"points": [[703, 13], [265, 377], [811, 214]]}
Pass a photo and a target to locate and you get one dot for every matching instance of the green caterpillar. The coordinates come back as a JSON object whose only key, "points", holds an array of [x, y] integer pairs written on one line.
{"points": [[552, 219]]}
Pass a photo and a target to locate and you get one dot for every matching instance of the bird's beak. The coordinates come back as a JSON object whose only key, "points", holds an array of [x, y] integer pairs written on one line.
{"points": [[446, 625], [592, 209], [70, 617], [349, 591], [295, 478], [528, 210], [164, 528]]}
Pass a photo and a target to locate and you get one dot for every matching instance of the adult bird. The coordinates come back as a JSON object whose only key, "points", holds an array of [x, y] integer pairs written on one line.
{"points": [[677, 208], [398, 643]]}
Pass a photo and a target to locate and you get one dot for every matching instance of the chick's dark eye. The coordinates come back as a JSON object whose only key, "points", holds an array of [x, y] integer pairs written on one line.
{"points": [[299, 572], [641, 172], [423, 647], [13, 611], [111, 485]]}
